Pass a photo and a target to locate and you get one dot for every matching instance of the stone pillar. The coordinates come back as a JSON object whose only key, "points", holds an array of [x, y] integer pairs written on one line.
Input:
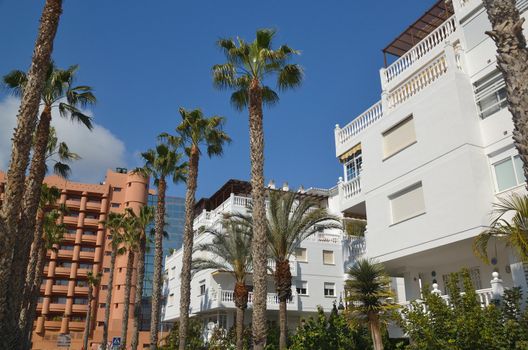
{"points": [[497, 286]]}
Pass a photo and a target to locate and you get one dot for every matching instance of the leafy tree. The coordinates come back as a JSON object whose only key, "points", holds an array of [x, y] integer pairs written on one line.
{"points": [[93, 282], [246, 70], [230, 250], [143, 219], [59, 92], [465, 323], [512, 60], [114, 224], [513, 232], [194, 336], [14, 190], [161, 163], [369, 295], [195, 132]]}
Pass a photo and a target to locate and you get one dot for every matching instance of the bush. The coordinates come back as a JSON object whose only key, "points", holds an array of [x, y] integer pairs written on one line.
{"points": [[194, 340], [464, 323]]}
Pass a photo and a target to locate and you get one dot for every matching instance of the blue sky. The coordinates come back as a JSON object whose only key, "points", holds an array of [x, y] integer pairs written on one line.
{"points": [[145, 61]]}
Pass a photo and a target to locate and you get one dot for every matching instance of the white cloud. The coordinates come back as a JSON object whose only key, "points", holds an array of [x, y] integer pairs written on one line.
{"points": [[100, 149]]}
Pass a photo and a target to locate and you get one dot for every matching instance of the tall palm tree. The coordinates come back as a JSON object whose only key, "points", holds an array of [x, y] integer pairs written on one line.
{"points": [[58, 87], [513, 232], [52, 233], [512, 59], [248, 66], [114, 224], [48, 198], [160, 163], [59, 154], [14, 190], [131, 241], [369, 295], [93, 281], [291, 219], [143, 219], [230, 250], [194, 132]]}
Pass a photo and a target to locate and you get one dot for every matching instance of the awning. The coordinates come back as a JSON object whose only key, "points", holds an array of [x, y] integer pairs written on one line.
{"points": [[349, 153]]}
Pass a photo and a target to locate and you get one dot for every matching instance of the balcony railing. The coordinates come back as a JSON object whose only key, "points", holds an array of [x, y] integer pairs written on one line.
{"points": [[360, 123], [484, 296], [228, 296], [350, 188], [435, 38], [272, 264]]}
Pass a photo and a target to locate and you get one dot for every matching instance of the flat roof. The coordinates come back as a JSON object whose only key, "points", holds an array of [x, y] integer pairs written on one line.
{"points": [[427, 23]]}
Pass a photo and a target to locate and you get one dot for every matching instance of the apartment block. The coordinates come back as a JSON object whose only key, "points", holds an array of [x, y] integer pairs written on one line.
{"points": [[425, 163], [86, 247]]}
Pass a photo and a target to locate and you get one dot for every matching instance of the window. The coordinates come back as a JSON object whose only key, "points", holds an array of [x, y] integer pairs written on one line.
{"points": [[64, 264], [301, 255], [117, 189], [94, 199], [172, 272], [108, 253], [74, 198], [106, 270], [508, 173], [490, 94], [58, 300], [85, 266], [329, 289], [66, 247], [78, 318], [71, 231], [114, 205], [328, 257], [202, 288], [407, 203], [80, 301], [302, 288], [171, 298], [353, 166], [81, 283], [74, 214], [398, 137], [61, 282], [104, 287], [92, 216], [88, 249], [89, 233]]}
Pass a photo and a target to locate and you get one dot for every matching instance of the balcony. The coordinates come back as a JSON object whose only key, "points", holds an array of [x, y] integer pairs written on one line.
{"points": [[226, 298], [233, 203], [91, 222], [57, 307], [62, 271], [92, 205], [86, 255], [76, 326], [77, 308], [293, 266]]}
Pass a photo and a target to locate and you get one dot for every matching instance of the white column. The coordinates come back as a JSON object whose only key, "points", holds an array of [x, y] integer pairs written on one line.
{"points": [[412, 287]]}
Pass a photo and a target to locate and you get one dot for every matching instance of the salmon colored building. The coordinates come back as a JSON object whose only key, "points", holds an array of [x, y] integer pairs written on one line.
{"points": [[86, 247]]}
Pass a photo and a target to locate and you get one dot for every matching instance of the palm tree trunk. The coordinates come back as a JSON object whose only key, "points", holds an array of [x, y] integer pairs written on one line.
{"points": [[512, 59], [157, 281], [26, 122], [283, 280], [188, 235], [259, 243], [31, 277], [128, 286], [108, 300], [239, 328], [88, 317], [139, 290], [26, 233], [375, 331], [241, 301]]}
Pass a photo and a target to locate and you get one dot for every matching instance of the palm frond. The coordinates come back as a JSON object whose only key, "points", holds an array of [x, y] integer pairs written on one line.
{"points": [[15, 81]]}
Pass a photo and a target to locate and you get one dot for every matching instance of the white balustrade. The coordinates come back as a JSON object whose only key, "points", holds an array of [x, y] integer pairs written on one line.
{"points": [[228, 296], [427, 44], [419, 81], [351, 188], [366, 119]]}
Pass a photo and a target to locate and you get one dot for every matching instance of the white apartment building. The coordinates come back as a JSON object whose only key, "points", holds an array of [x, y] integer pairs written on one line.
{"points": [[318, 267], [425, 163]]}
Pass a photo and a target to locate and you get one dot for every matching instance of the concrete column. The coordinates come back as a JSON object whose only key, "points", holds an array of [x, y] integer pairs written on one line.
{"points": [[64, 325], [412, 286]]}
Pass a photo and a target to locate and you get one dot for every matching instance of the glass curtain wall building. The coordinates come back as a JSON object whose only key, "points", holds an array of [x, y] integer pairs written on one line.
{"points": [[174, 222]]}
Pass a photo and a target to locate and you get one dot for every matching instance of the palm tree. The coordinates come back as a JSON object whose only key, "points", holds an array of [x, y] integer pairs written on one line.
{"points": [[59, 154], [369, 295], [143, 219], [230, 250], [114, 223], [513, 232], [247, 67], [131, 240], [160, 163], [93, 281], [58, 87], [13, 196], [52, 234], [48, 198], [512, 59], [194, 132], [291, 219]]}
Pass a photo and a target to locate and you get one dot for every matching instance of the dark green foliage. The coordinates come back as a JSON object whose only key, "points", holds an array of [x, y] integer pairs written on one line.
{"points": [[333, 332], [464, 324], [194, 339]]}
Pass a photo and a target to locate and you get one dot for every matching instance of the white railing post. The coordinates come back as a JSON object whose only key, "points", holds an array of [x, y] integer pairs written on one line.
{"points": [[497, 287], [436, 290], [337, 132], [450, 56], [383, 78]]}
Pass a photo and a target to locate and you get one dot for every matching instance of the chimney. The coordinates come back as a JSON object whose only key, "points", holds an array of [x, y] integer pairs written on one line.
{"points": [[271, 184], [301, 189], [285, 186]]}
